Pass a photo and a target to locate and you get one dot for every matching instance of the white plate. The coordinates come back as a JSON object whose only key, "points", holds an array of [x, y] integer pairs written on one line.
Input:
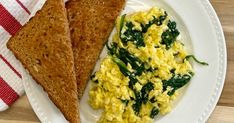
{"points": [[203, 36]]}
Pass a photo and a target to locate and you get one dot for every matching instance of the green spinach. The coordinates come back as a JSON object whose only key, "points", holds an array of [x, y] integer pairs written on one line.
{"points": [[145, 91], [127, 57], [138, 102], [195, 59], [154, 112], [142, 96], [121, 24], [157, 21], [153, 100], [123, 68], [132, 35], [113, 48], [135, 62], [176, 82], [169, 36]]}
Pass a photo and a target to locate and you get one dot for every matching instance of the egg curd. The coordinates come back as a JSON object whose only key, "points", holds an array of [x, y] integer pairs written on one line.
{"points": [[145, 66]]}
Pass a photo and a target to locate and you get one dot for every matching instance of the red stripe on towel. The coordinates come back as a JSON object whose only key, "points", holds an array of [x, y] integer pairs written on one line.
{"points": [[8, 22], [9, 65], [7, 94], [22, 5]]}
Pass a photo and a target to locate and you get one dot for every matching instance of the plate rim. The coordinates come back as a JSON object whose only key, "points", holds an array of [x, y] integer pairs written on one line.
{"points": [[222, 52]]}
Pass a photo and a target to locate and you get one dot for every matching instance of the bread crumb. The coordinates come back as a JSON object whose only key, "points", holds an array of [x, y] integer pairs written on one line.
{"points": [[35, 68]]}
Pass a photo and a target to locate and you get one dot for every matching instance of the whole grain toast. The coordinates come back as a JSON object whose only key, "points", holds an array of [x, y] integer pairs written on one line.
{"points": [[91, 22], [44, 47]]}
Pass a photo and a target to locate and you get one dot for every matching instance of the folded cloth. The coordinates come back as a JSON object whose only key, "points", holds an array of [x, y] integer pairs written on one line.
{"points": [[13, 15]]}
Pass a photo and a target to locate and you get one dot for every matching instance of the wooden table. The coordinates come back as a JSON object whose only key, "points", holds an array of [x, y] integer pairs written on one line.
{"points": [[21, 111]]}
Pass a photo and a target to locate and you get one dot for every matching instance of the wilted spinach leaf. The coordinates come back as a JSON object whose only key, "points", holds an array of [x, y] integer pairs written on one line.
{"points": [[121, 24], [176, 82], [169, 36], [135, 62], [153, 100], [112, 49], [157, 21], [123, 68], [145, 91], [133, 35], [138, 102], [196, 60], [154, 112]]}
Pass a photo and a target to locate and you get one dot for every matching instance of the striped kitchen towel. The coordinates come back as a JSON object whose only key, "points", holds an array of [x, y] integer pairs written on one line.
{"points": [[13, 15]]}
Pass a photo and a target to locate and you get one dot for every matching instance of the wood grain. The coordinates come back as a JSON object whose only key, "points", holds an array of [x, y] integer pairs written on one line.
{"points": [[222, 114], [21, 111], [225, 11]]}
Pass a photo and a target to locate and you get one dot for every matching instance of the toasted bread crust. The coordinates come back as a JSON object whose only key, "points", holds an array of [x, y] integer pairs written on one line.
{"points": [[44, 48], [91, 22]]}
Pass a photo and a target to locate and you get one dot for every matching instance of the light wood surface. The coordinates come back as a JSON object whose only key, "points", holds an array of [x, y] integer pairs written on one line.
{"points": [[21, 111]]}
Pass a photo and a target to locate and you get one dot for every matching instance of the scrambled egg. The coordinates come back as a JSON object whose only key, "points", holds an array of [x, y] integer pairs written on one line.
{"points": [[145, 66]]}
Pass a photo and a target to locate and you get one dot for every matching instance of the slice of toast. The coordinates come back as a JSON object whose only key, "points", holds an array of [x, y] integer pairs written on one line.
{"points": [[91, 22], [44, 47]]}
